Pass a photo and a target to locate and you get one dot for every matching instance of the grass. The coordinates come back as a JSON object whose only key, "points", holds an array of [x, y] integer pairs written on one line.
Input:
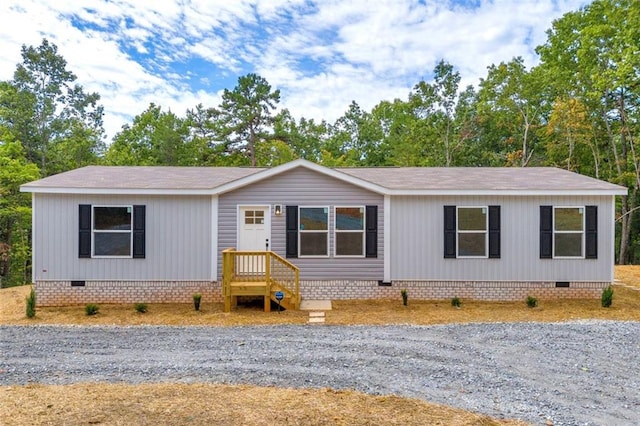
{"points": [[203, 404], [173, 403]]}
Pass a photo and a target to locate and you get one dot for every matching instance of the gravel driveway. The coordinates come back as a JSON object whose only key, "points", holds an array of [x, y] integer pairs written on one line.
{"points": [[585, 372]]}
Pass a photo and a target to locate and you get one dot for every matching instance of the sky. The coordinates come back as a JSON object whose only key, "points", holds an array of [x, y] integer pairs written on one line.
{"points": [[321, 55]]}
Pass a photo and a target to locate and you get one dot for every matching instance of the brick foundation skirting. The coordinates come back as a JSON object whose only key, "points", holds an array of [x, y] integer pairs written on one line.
{"points": [[434, 290], [59, 293]]}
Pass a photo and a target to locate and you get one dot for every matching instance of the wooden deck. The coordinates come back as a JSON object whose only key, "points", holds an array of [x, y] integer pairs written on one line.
{"points": [[259, 273]]}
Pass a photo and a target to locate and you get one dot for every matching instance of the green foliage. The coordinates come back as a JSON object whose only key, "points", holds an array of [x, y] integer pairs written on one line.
{"points": [[607, 297], [405, 296], [245, 113], [154, 138], [531, 301], [91, 309], [15, 212], [31, 304], [49, 113], [197, 297], [141, 308], [456, 302]]}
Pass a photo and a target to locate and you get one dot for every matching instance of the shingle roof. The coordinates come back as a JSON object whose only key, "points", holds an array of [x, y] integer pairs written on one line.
{"points": [[144, 177], [202, 180], [477, 178]]}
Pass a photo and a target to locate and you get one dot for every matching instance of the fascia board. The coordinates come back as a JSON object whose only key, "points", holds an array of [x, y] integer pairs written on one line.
{"points": [[115, 191], [508, 192]]}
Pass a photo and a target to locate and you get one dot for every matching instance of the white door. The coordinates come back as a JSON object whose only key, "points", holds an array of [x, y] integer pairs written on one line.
{"points": [[253, 235]]}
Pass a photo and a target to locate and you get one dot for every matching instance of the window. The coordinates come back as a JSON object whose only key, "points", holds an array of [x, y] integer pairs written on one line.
{"points": [[352, 225], [314, 231], [349, 232], [112, 231], [254, 217], [472, 231], [568, 231]]}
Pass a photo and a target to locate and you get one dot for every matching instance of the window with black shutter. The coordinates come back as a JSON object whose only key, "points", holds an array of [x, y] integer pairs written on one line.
{"points": [[111, 231], [472, 232]]}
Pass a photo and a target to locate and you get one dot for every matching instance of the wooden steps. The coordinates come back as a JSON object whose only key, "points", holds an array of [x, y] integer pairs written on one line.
{"points": [[316, 317], [274, 275], [248, 288]]}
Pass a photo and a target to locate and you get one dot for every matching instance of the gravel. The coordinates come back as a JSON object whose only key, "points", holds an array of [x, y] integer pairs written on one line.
{"points": [[584, 372]]}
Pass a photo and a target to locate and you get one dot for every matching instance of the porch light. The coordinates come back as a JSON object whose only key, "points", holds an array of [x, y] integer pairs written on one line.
{"points": [[277, 209]]}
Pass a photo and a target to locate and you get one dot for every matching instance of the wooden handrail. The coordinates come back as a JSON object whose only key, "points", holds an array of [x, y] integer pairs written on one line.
{"points": [[259, 266]]}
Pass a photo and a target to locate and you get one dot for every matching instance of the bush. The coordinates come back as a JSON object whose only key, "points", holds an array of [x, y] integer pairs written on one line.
{"points": [[532, 302], [91, 308], [456, 302], [405, 296], [607, 297], [140, 307], [31, 304], [196, 301]]}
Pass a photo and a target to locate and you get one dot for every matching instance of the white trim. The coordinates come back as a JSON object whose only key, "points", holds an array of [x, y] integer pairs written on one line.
{"points": [[582, 232], [112, 231], [386, 246], [117, 191], [328, 231], [363, 231], [214, 238], [612, 238], [371, 187], [33, 238], [508, 192], [478, 231]]}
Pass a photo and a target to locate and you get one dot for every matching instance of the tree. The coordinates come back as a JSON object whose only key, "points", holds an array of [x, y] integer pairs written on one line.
{"points": [[510, 107], [15, 211], [245, 114], [591, 56], [42, 108], [436, 105], [358, 137], [304, 137], [154, 138]]}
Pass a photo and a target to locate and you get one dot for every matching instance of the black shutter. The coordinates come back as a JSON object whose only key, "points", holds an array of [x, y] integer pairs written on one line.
{"points": [[449, 232], [371, 237], [292, 231], [84, 227], [546, 232], [494, 232], [138, 232], [591, 234]]}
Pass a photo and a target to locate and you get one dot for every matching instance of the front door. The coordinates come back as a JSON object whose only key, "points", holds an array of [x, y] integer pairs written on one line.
{"points": [[253, 235]]}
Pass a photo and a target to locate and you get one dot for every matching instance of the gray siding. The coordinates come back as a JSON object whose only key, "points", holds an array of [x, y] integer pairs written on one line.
{"points": [[178, 239], [417, 241], [302, 187]]}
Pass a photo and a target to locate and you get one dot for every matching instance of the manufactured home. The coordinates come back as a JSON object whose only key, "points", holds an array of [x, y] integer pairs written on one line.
{"points": [[301, 230]]}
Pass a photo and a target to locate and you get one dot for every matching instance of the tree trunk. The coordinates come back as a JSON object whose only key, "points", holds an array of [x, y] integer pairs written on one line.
{"points": [[252, 146]]}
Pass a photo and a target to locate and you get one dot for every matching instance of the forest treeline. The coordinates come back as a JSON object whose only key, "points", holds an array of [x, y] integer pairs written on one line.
{"points": [[578, 109]]}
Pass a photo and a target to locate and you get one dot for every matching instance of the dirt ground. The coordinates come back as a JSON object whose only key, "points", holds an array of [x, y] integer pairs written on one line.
{"points": [[99, 403]]}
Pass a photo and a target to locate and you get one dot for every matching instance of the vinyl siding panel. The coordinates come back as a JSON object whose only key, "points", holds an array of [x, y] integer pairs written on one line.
{"points": [[303, 187], [178, 247], [417, 241]]}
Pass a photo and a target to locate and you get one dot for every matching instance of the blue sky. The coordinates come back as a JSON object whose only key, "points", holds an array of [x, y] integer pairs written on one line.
{"points": [[321, 55]]}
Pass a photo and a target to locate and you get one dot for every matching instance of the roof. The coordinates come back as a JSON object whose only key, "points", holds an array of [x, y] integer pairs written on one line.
{"points": [[478, 178], [383, 180], [142, 177]]}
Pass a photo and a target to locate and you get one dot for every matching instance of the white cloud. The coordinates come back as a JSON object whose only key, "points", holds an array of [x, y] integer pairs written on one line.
{"points": [[321, 55]]}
